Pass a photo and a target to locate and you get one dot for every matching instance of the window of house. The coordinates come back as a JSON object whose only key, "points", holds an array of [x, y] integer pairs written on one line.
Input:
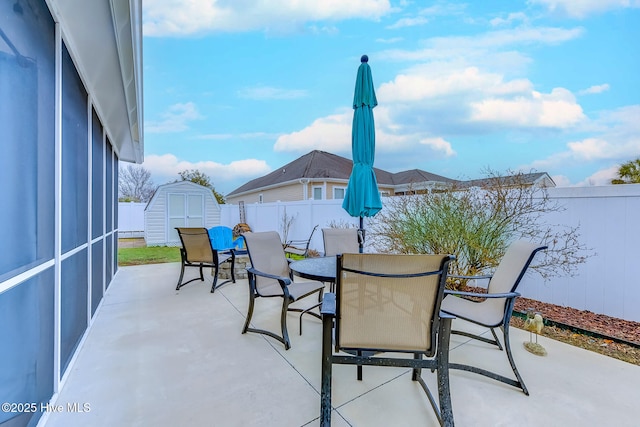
{"points": [[338, 192], [317, 193]]}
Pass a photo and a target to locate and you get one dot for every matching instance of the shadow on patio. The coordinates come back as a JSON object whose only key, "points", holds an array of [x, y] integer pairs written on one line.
{"points": [[157, 357]]}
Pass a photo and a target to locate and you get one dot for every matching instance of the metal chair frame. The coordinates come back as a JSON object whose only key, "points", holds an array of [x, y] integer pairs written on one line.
{"points": [[438, 352], [503, 325], [216, 259]]}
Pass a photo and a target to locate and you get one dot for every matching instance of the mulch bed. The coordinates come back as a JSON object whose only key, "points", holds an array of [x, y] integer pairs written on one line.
{"points": [[625, 330], [608, 327]]}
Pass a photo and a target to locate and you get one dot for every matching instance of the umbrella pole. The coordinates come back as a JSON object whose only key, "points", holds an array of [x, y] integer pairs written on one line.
{"points": [[361, 235]]}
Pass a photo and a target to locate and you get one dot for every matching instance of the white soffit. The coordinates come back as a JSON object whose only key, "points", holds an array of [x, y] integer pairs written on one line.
{"points": [[104, 38]]}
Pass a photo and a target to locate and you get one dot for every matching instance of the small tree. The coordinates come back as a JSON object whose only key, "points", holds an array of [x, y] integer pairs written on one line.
{"points": [[286, 223], [201, 178], [628, 173], [476, 225], [135, 184]]}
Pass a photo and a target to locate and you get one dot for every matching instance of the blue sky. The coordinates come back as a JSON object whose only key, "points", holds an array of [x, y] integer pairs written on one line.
{"points": [[238, 88]]}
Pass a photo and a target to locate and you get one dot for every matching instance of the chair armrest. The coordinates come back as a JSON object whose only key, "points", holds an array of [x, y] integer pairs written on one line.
{"points": [[445, 315], [457, 276], [238, 242], [328, 304], [481, 294], [225, 255], [284, 281]]}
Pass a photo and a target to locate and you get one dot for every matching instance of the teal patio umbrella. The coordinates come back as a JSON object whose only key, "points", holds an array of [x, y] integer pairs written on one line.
{"points": [[362, 197]]}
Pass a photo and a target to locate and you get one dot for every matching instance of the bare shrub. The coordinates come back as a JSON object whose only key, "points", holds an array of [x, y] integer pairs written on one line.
{"points": [[478, 224]]}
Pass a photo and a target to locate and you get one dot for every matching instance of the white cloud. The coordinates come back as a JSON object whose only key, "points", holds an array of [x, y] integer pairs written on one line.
{"points": [[557, 109], [423, 83], [603, 176], [483, 48], [591, 148], [175, 119], [594, 89], [616, 138], [408, 22], [331, 133], [167, 167], [583, 8], [439, 144], [472, 96], [184, 18], [561, 181], [511, 18], [267, 92]]}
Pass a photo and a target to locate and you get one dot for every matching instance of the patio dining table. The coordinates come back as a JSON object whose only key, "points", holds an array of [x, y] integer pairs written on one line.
{"points": [[322, 269]]}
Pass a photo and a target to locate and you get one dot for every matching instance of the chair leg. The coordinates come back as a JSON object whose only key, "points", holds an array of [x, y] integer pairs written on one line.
{"points": [[307, 310], [512, 361], [283, 323], [444, 391], [181, 276], [415, 373], [249, 311], [495, 337], [233, 267], [215, 279], [327, 367]]}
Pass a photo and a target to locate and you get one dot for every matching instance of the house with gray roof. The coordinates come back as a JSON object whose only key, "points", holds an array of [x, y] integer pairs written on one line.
{"points": [[321, 175], [317, 175]]}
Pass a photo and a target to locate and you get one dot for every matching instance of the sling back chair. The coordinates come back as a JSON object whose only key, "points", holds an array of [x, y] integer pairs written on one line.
{"points": [[269, 276], [299, 247], [340, 240], [407, 321], [197, 251], [496, 306], [222, 240]]}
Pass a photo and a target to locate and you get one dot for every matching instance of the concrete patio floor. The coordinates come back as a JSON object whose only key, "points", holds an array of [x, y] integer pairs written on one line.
{"points": [[157, 357]]}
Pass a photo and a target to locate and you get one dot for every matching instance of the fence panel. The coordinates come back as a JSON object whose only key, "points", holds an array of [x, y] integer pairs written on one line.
{"points": [[131, 219], [607, 216]]}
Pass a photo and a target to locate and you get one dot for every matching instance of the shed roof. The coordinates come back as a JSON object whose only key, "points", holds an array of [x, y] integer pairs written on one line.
{"points": [[192, 186]]}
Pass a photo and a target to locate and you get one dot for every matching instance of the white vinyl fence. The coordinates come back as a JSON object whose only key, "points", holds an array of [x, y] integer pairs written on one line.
{"points": [[608, 217], [131, 219]]}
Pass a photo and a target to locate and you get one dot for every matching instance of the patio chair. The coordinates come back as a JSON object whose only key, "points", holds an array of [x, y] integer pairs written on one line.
{"points": [[298, 247], [409, 322], [197, 251], [496, 306], [222, 240], [269, 276], [340, 240]]}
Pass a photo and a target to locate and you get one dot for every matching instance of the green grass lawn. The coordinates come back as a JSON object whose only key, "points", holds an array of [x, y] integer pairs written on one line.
{"points": [[148, 255]]}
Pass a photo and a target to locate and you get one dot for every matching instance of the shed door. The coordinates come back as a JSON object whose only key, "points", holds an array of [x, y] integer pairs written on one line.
{"points": [[184, 210]]}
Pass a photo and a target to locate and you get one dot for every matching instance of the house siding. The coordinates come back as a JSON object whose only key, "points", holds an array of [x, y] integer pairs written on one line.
{"points": [[294, 192]]}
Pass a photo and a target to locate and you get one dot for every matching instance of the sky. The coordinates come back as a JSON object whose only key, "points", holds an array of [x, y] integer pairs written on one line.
{"points": [[239, 88]]}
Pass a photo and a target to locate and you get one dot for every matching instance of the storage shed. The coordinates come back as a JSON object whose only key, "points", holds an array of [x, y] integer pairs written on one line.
{"points": [[179, 204]]}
